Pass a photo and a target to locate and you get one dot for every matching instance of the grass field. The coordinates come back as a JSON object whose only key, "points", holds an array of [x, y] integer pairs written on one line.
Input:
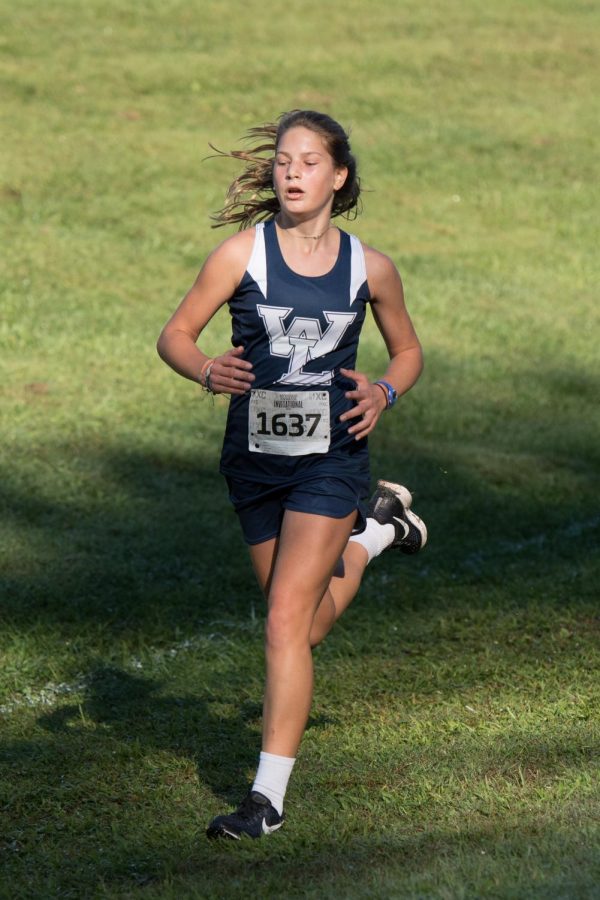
{"points": [[453, 747]]}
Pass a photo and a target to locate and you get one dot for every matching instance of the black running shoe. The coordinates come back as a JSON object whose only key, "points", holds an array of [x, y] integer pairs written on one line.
{"points": [[390, 505], [255, 816]]}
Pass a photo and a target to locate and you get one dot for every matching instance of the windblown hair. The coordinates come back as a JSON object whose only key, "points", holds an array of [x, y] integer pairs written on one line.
{"points": [[251, 197]]}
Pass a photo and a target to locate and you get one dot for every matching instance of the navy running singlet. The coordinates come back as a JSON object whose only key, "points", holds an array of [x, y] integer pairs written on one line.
{"points": [[297, 331]]}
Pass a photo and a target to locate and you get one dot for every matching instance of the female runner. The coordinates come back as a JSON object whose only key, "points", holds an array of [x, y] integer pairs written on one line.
{"points": [[295, 450]]}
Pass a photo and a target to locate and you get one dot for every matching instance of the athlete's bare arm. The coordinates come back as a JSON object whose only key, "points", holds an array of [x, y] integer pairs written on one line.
{"points": [[214, 286], [393, 321], [404, 349]]}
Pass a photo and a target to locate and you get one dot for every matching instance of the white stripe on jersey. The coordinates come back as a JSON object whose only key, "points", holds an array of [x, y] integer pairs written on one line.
{"points": [[358, 267], [257, 267]]}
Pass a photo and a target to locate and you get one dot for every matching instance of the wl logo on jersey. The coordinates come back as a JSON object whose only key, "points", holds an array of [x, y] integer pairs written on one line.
{"points": [[303, 341]]}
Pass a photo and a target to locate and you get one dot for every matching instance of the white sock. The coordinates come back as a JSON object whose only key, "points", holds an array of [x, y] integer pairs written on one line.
{"points": [[272, 777], [375, 538]]}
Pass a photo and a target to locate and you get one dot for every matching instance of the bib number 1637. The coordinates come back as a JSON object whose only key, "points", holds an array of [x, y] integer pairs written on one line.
{"points": [[289, 423], [292, 424]]}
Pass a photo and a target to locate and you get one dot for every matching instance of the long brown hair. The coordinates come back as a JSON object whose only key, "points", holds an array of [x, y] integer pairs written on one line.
{"points": [[251, 196]]}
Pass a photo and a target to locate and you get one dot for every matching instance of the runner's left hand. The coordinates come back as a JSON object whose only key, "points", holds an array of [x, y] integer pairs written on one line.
{"points": [[370, 403]]}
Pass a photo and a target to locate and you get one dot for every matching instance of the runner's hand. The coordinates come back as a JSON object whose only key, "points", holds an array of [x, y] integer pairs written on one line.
{"points": [[370, 403], [231, 375]]}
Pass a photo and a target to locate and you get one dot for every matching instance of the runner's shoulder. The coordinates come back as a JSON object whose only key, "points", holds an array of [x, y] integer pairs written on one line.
{"points": [[229, 259], [235, 249], [381, 269]]}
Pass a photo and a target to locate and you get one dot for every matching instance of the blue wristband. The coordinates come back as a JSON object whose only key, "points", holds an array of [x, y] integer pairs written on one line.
{"points": [[391, 394]]}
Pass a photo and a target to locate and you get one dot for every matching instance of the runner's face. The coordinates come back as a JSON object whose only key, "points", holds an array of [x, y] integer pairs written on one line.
{"points": [[304, 175]]}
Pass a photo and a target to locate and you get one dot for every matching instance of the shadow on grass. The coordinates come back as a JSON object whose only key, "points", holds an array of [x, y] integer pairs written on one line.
{"points": [[148, 541], [131, 708], [152, 542]]}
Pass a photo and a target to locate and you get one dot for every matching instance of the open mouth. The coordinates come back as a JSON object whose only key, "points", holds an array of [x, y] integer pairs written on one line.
{"points": [[294, 193]]}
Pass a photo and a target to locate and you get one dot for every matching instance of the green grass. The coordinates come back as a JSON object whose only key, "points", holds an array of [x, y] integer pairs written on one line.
{"points": [[452, 750]]}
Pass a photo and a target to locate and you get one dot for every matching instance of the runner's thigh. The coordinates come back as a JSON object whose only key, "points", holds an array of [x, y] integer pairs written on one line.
{"points": [[309, 548]]}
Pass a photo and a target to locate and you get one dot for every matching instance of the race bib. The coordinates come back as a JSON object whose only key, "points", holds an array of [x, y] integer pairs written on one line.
{"points": [[289, 423]]}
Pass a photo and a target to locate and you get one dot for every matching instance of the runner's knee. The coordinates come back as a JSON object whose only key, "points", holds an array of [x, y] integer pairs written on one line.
{"points": [[287, 623]]}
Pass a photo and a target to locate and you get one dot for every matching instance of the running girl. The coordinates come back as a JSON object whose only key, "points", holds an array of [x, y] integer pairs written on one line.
{"points": [[295, 452]]}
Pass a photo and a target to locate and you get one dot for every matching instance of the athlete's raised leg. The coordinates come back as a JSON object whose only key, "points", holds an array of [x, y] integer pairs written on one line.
{"points": [[341, 591], [390, 523]]}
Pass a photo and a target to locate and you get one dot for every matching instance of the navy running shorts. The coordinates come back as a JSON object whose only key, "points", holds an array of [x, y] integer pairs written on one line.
{"points": [[260, 507]]}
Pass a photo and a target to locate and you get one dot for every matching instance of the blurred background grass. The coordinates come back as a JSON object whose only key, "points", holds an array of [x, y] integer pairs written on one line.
{"points": [[128, 606]]}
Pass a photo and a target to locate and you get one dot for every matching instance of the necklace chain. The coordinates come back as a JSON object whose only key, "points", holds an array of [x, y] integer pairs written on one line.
{"points": [[311, 237], [314, 237]]}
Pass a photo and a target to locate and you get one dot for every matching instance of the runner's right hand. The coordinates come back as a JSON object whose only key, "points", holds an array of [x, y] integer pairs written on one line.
{"points": [[229, 374]]}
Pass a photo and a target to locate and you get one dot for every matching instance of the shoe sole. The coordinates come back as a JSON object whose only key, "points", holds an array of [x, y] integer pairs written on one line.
{"points": [[403, 494], [419, 525], [223, 832]]}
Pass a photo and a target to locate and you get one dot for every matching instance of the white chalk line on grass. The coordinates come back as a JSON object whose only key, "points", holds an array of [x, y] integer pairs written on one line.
{"points": [[51, 692], [46, 696]]}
